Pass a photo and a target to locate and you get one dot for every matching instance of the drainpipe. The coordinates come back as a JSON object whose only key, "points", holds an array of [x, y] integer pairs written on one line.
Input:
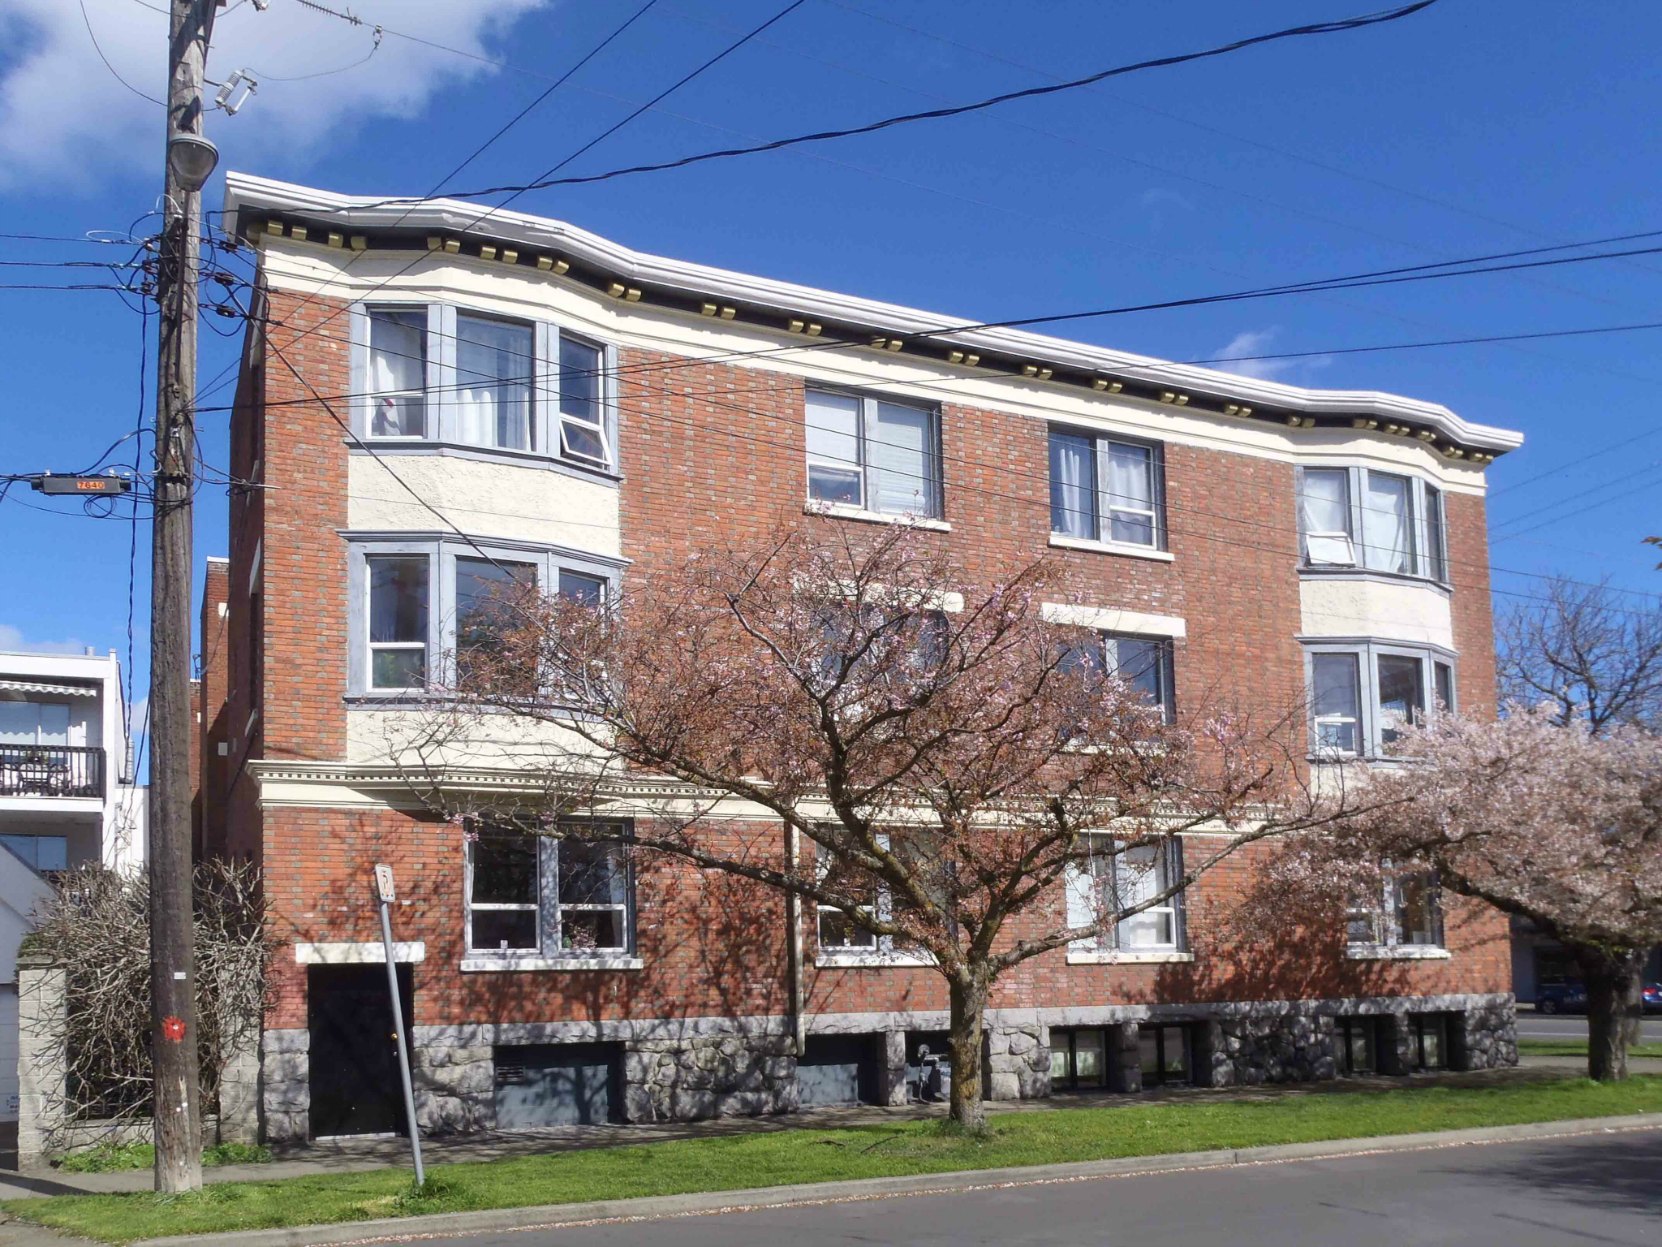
{"points": [[793, 940]]}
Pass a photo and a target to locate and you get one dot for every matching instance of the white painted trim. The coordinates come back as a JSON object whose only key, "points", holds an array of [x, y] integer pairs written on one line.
{"points": [[367, 953], [1397, 952], [265, 195], [1112, 619], [1059, 542], [857, 959], [483, 965], [842, 511], [1082, 958]]}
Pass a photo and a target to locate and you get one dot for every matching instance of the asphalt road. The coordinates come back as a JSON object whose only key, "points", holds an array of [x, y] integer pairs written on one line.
{"points": [[1597, 1189], [1572, 1026]]}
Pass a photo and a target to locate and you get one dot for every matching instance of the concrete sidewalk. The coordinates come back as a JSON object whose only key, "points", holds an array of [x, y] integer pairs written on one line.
{"points": [[350, 1155]]}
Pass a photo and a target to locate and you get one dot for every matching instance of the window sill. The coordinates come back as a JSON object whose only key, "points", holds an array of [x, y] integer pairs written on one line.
{"points": [[854, 960], [1399, 952], [485, 965], [1059, 542], [1163, 957], [484, 454], [842, 511]]}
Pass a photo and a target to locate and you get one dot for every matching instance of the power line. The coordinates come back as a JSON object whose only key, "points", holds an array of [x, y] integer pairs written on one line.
{"points": [[113, 72], [935, 114], [1416, 346]]}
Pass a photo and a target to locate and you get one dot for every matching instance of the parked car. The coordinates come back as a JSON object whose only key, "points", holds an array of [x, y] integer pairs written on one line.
{"points": [[1653, 998], [1566, 997]]}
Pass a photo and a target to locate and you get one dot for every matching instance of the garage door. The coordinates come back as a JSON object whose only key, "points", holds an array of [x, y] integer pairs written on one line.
{"points": [[8, 1052], [834, 1069], [556, 1085]]}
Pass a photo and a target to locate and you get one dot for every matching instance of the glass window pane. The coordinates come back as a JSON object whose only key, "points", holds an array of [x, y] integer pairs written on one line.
{"points": [[503, 930], [398, 372], [1088, 1063], [577, 587], [1141, 664], [1136, 529], [1073, 485], [1444, 675], [1148, 1048], [833, 428], [1436, 554], [19, 721], [1388, 523], [1061, 1059], [580, 379], [494, 363], [595, 929], [838, 930], [1176, 1063], [1401, 695], [1336, 701], [54, 723], [1324, 515], [505, 867], [398, 668], [485, 589], [590, 874], [902, 458], [1416, 911], [398, 598], [1131, 476]]}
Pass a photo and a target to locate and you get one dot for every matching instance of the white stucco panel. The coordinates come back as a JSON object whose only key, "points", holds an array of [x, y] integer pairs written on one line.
{"points": [[1385, 610], [506, 500]]}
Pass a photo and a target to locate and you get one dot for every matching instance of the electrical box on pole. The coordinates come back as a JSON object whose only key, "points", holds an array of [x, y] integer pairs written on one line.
{"points": [[48, 483]]}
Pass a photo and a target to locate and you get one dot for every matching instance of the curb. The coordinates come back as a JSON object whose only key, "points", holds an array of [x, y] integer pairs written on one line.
{"points": [[661, 1207]]}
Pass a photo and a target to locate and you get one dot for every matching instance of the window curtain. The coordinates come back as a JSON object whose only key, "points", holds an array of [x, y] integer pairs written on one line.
{"points": [[493, 392], [1072, 486], [397, 374], [1131, 489], [1326, 514], [901, 458], [1387, 524], [833, 431], [1139, 876]]}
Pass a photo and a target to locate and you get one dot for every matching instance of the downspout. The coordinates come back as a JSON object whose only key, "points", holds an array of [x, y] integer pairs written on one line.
{"points": [[793, 941]]}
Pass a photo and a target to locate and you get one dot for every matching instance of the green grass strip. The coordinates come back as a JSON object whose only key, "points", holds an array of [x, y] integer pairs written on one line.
{"points": [[774, 1158], [1578, 1047]]}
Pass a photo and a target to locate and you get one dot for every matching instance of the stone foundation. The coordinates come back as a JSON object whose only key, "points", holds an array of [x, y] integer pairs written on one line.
{"points": [[285, 1090], [1250, 1051], [1017, 1058], [1489, 1037], [455, 1087], [709, 1076]]}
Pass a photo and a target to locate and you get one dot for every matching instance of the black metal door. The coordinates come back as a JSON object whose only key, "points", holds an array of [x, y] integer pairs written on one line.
{"points": [[354, 1057]]}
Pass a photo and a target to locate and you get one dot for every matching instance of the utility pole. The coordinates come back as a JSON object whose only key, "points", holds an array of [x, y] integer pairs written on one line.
{"points": [[173, 1037]]}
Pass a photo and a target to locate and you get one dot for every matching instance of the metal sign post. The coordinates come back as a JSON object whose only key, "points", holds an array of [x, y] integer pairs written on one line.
{"points": [[386, 895]]}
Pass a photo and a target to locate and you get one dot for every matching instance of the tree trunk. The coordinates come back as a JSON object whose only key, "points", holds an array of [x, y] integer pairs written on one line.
{"points": [[1614, 1009], [969, 1003]]}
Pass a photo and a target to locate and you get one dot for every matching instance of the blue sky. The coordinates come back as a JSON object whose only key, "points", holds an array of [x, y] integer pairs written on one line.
{"points": [[1477, 126]]}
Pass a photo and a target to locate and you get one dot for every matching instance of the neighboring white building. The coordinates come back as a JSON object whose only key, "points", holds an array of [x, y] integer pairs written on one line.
{"points": [[66, 798]]}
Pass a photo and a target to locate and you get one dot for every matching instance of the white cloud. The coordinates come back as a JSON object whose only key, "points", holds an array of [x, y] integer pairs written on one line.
{"points": [[1259, 342], [64, 115], [12, 641]]}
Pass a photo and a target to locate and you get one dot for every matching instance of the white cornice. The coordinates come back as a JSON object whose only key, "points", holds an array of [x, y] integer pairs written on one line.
{"points": [[266, 196]]}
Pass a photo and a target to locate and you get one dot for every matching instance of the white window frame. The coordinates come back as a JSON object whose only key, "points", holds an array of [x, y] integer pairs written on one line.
{"points": [[934, 489], [1381, 913], [1085, 884], [1102, 506], [548, 421], [1430, 538], [1372, 726], [550, 954], [442, 550], [882, 951]]}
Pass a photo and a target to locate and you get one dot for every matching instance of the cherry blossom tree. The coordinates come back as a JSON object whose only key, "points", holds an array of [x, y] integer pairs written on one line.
{"points": [[940, 761], [1551, 820]]}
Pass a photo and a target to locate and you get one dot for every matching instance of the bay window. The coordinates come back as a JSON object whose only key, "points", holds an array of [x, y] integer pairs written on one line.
{"points": [[430, 611], [1105, 489], [1363, 694], [1368, 520], [873, 454], [444, 376]]}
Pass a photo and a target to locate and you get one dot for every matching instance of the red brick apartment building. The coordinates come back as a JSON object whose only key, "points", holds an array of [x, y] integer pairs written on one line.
{"points": [[588, 412]]}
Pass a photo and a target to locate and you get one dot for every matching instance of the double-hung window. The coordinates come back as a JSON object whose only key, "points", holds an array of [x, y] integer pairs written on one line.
{"points": [[1405, 913], [1106, 489], [873, 454], [842, 940], [1116, 877], [1373, 521], [1144, 663], [531, 895], [433, 611], [1363, 694], [486, 384]]}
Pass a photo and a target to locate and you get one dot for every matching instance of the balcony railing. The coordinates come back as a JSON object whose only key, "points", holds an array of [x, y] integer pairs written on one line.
{"points": [[51, 771]]}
